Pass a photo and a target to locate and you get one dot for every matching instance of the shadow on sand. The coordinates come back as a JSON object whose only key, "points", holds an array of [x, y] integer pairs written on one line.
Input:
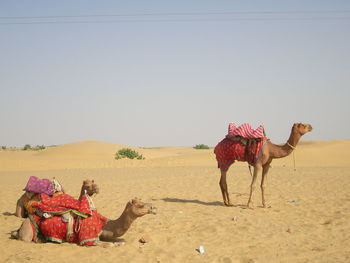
{"points": [[216, 203], [177, 200], [8, 214]]}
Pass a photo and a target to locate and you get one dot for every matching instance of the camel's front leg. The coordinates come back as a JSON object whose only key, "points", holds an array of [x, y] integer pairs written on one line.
{"points": [[20, 207], [223, 187], [257, 170], [266, 168], [25, 233]]}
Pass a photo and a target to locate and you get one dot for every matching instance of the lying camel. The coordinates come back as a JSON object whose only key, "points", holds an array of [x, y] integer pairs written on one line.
{"points": [[85, 219], [23, 203], [269, 152], [111, 230]]}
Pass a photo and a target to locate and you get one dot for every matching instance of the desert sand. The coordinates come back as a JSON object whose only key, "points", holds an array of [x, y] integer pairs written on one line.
{"points": [[308, 221]]}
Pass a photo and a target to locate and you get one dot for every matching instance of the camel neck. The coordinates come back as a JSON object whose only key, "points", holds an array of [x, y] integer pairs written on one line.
{"points": [[280, 151], [82, 192], [123, 223]]}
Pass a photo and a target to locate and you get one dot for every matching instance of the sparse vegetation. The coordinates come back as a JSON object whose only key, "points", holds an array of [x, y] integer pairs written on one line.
{"points": [[39, 147], [201, 146], [128, 153], [27, 147], [3, 147], [35, 148]]}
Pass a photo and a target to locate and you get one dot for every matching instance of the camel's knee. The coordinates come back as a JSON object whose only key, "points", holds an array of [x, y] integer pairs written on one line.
{"points": [[25, 233]]}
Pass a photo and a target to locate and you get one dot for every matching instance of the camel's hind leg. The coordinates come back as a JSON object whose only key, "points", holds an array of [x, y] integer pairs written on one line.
{"points": [[25, 233], [223, 187]]}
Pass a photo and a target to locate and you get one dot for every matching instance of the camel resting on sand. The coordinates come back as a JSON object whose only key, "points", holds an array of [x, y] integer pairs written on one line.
{"points": [[82, 224], [112, 230], [270, 151]]}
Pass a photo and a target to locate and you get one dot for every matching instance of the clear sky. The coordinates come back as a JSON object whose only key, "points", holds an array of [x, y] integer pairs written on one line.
{"points": [[176, 81]]}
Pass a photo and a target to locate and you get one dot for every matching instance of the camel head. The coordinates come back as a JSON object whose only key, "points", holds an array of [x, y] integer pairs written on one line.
{"points": [[90, 187], [301, 128], [138, 208]]}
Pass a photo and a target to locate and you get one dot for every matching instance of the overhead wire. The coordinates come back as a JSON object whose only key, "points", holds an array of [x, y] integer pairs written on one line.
{"points": [[180, 17], [184, 14], [171, 20]]}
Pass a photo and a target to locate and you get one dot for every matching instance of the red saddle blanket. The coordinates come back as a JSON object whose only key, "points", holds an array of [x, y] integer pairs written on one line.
{"points": [[228, 151], [87, 223]]}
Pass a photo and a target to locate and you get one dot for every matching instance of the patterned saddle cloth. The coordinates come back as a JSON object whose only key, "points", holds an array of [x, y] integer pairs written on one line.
{"points": [[245, 131], [242, 144], [63, 218], [36, 185]]}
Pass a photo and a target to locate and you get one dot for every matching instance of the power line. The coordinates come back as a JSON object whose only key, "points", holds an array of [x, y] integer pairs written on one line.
{"points": [[185, 14], [174, 20], [182, 17]]}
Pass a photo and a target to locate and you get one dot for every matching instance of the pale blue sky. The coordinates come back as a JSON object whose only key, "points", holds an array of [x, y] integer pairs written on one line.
{"points": [[171, 82]]}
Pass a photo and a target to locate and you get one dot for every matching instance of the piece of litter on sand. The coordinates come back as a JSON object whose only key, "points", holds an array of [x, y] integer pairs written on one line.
{"points": [[201, 250], [293, 201], [234, 218], [144, 239]]}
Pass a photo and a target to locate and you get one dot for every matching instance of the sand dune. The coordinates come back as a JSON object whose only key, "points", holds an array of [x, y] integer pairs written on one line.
{"points": [[308, 220]]}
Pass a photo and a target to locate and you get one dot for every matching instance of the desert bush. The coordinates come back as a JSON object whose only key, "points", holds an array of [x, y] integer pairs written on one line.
{"points": [[3, 147], [201, 146], [27, 147], [39, 147], [34, 148], [128, 153]]}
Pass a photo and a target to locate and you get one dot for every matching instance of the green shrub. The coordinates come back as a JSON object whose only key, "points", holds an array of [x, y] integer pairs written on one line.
{"points": [[27, 147], [128, 153], [3, 147], [39, 147], [201, 146]]}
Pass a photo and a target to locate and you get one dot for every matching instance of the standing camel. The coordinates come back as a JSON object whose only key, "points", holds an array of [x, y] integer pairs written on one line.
{"points": [[269, 152]]}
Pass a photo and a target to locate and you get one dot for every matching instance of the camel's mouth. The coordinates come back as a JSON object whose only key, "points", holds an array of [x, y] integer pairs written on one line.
{"points": [[152, 210]]}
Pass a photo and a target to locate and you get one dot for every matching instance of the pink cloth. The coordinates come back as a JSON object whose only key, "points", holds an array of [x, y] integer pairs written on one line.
{"points": [[39, 186], [245, 131]]}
